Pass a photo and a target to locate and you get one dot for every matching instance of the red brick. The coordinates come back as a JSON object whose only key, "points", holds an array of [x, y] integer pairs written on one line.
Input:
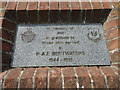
{"points": [[26, 78], [32, 5], [110, 24], [113, 44], [54, 12], [115, 2], [3, 4], [21, 6], [55, 78], [43, 13], [9, 25], [112, 79], [65, 5], [1, 21], [6, 47], [11, 79], [2, 75], [75, 5], [69, 77], [83, 77], [116, 70], [32, 11], [116, 65], [96, 4], [41, 78], [11, 5], [106, 5], [97, 10], [85, 5], [65, 11], [114, 13], [43, 6], [7, 36], [98, 79], [6, 58], [114, 57], [53, 5], [112, 33], [21, 12], [86, 13]]}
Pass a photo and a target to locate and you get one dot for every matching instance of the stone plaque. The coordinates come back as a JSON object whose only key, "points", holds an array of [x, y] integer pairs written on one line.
{"points": [[60, 45]]}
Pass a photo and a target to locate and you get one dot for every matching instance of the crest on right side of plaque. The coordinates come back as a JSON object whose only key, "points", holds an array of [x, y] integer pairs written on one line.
{"points": [[94, 35]]}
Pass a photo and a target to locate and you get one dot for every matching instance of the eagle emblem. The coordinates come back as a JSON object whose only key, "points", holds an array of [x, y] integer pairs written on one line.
{"points": [[94, 35]]}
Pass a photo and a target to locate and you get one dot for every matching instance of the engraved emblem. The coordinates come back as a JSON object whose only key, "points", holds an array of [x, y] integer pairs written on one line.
{"points": [[27, 36], [94, 35]]}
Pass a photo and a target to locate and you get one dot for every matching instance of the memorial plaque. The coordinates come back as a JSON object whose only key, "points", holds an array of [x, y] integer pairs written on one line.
{"points": [[60, 45]]}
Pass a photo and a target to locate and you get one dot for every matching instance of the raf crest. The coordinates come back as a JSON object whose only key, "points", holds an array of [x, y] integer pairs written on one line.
{"points": [[28, 36], [94, 35]]}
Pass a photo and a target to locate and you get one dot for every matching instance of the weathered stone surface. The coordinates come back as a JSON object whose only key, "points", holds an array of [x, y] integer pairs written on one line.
{"points": [[60, 45]]}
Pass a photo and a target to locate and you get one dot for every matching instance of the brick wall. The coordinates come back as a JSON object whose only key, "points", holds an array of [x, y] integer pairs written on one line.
{"points": [[14, 13]]}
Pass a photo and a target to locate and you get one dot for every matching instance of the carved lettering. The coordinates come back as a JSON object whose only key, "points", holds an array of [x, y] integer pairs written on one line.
{"points": [[68, 53]]}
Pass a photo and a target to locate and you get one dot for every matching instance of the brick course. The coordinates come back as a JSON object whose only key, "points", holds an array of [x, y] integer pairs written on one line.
{"points": [[21, 12], [26, 78], [41, 78], [98, 79], [11, 78], [113, 44], [55, 78], [112, 79], [69, 77], [83, 77]]}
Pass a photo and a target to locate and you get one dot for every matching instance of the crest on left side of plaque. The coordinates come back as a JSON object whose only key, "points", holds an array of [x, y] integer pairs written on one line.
{"points": [[27, 36]]}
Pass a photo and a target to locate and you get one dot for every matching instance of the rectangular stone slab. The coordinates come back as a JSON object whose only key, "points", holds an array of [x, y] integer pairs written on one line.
{"points": [[60, 45]]}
